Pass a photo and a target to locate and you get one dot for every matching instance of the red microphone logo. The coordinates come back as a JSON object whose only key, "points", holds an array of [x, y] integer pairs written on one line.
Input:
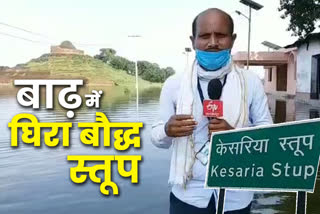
{"points": [[213, 108]]}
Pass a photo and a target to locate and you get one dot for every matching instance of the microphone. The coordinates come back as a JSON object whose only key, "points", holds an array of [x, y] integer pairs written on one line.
{"points": [[214, 89], [214, 106]]}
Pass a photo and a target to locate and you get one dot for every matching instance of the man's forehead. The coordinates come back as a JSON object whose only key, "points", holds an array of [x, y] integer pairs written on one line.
{"points": [[209, 15], [213, 17]]}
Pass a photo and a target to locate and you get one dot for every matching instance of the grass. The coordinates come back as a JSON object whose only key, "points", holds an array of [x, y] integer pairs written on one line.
{"points": [[86, 67]]}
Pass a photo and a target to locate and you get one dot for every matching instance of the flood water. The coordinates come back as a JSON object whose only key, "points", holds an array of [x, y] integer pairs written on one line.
{"points": [[36, 180]]}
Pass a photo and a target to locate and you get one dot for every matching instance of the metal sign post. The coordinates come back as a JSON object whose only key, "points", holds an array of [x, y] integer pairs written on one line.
{"points": [[301, 204], [222, 194]]}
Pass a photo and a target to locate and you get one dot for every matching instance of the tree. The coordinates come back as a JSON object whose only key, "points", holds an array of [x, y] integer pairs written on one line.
{"points": [[145, 66], [3, 68], [147, 70], [122, 63], [107, 51], [303, 14], [168, 71], [106, 54]]}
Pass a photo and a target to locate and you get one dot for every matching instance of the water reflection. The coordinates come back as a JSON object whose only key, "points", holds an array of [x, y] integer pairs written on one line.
{"points": [[37, 181], [265, 203], [282, 110], [313, 113]]}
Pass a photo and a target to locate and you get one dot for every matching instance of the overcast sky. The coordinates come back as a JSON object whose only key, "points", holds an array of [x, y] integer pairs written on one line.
{"points": [[165, 27]]}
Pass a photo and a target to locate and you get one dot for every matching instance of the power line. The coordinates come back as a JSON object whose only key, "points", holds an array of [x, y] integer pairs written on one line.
{"points": [[46, 43], [18, 37], [22, 29], [44, 36]]}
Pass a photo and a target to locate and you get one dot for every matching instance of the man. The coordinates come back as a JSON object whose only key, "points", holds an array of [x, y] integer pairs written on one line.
{"points": [[183, 126]]}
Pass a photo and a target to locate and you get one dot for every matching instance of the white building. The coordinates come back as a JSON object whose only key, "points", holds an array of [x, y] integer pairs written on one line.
{"points": [[308, 66]]}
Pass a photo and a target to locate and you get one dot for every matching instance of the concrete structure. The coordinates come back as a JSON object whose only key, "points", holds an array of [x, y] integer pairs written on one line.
{"points": [[280, 75], [65, 48], [57, 50], [291, 71], [308, 66]]}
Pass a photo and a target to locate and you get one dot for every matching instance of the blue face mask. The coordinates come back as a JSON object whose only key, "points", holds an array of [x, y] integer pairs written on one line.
{"points": [[212, 61]]}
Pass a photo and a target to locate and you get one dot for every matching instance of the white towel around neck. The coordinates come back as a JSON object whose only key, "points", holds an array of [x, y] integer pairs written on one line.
{"points": [[234, 108]]}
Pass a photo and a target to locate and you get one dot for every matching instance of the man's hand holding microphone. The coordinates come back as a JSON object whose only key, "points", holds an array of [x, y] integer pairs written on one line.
{"points": [[184, 125], [213, 108]]}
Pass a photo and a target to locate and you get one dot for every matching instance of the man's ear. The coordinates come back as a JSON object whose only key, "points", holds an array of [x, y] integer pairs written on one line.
{"points": [[234, 36], [192, 41]]}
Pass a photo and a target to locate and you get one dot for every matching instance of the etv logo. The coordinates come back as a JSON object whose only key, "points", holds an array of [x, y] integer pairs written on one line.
{"points": [[212, 108]]}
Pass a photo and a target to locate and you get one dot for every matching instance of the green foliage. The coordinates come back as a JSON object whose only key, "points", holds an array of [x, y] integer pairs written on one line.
{"points": [[3, 68], [152, 72], [145, 66], [106, 55], [122, 63], [147, 70], [168, 71], [42, 58], [94, 71], [110, 51], [21, 65], [303, 15]]}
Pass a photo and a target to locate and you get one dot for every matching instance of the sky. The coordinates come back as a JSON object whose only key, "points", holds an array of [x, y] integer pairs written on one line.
{"points": [[164, 27]]}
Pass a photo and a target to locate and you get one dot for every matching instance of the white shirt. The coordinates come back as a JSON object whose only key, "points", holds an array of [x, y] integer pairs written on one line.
{"points": [[195, 194]]}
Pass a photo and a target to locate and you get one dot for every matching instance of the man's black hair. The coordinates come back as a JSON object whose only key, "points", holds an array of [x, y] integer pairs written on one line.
{"points": [[194, 23]]}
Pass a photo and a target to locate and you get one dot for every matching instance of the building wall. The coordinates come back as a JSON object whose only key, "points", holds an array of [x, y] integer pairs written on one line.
{"points": [[304, 58], [270, 86], [292, 73]]}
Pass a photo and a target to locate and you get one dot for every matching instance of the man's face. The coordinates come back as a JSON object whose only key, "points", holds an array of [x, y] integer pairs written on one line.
{"points": [[213, 32]]}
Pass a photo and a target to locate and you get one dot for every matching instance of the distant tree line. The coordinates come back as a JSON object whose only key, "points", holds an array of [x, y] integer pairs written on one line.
{"points": [[3, 68], [146, 70]]}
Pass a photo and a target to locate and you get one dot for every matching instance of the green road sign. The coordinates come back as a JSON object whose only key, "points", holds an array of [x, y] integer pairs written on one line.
{"points": [[281, 157]]}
